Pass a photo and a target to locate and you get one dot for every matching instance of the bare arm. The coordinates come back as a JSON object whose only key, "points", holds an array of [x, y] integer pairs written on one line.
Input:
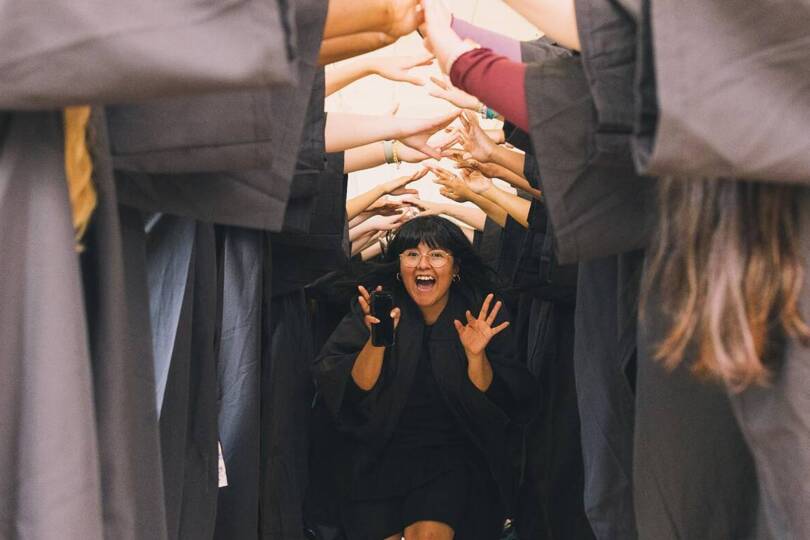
{"points": [[393, 17], [368, 364], [517, 207], [555, 18], [345, 130], [357, 204], [393, 68], [344, 47]]}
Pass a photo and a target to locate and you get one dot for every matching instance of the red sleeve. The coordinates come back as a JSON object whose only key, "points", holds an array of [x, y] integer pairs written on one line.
{"points": [[496, 81]]}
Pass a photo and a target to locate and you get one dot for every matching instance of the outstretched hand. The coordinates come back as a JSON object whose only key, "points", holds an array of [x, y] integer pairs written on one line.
{"points": [[416, 132], [477, 333], [397, 68], [365, 305], [446, 91], [397, 185]]}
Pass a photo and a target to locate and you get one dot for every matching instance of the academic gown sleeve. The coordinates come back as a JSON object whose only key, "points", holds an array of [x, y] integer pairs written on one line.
{"points": [[732, 91], [598, 205], [332, 371], [54, 54], [227, 158]]}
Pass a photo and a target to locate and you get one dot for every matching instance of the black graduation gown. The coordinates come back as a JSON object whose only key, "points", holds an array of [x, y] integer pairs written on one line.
{"points": [[105, 479], [598, 207], [373, 420]]}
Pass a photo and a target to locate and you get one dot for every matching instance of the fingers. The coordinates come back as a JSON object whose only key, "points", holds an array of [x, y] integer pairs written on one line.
{"points": [[494, 312], [469, 316], [419, 174], [439, 82], [485, 307], [424, 60], [405, 191], [396, 313], [459, 327], [501, 327]]}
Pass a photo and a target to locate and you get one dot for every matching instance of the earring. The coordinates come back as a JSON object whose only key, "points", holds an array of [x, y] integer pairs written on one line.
{"points": [[399, 278], [456, 278]]}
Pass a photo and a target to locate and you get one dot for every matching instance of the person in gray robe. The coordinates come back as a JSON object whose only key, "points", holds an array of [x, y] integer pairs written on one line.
{"points": [[79, 425], [728, 82]]}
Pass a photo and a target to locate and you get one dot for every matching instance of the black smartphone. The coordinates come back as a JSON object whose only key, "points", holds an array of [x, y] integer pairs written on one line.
{"points": [[382, 333]]}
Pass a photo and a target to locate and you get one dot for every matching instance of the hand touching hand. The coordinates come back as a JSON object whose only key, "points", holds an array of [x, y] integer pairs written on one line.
{"points": [[475, 141], [397, 185], [453, 187], [405, 16], [365, 305], [476, 181], [397, 68], [477, 333], [416, 132], [446, 91], [426, 208]]}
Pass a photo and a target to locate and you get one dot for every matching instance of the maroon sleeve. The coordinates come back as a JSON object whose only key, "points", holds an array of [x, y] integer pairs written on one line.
{"points": [[496, 81]]}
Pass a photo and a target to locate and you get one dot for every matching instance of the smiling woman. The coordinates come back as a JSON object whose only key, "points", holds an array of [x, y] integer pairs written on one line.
{"points": [[432, 415]]}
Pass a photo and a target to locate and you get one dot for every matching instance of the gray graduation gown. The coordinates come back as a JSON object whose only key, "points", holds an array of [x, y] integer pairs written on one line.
{"points": [[732, 90], [78, 433], [730, 85]]}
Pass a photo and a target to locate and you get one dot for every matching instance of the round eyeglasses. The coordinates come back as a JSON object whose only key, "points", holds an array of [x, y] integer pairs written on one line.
{"points": [[436, 258]]}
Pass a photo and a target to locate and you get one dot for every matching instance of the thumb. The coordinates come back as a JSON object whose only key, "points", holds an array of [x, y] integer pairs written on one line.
{"points": [[459, 326]]}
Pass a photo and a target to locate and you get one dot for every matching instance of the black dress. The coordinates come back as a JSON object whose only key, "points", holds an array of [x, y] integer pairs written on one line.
{"points": [[429, 471], [428, 444]]}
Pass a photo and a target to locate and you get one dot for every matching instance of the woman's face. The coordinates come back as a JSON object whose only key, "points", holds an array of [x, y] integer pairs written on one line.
{"points": [[427, 274]]}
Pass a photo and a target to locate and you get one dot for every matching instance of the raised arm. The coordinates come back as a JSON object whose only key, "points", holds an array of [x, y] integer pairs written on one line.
{"points": [[346, 130], [358, 204], [394, 68], [393, 17], [344, 47]]}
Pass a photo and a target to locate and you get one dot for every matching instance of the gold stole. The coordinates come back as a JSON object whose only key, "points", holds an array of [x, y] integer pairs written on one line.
{"points": [[79, 171]]}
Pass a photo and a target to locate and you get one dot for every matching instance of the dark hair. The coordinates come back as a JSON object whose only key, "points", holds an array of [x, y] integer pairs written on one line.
{"points": [[727, 270], [476, 277]]}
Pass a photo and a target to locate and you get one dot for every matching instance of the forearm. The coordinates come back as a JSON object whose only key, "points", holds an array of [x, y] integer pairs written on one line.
{"points": [[344, 47], [368, 365], [491, 209], [474, 217], [363, 157], [514, 180], [345, 130], [509, 159], [479, 370], [356, 205], [372, 251], [515, 206], [555, 18], [345, 73], [345, 17]]}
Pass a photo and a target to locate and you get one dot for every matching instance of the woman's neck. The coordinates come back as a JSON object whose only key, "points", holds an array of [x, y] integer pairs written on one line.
{"points": [[432, 313]]}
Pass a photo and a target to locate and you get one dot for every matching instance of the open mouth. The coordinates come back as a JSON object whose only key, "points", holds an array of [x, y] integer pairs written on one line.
{"points": [[425, 283]]}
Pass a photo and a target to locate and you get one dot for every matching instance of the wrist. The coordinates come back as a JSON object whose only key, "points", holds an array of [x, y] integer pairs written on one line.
{"points": [[475, 359]]}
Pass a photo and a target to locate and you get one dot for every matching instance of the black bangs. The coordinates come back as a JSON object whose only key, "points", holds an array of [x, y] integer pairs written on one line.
{"points": [[436, 232]]}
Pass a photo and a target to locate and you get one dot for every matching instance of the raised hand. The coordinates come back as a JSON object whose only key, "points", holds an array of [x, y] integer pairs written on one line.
{"points": [[397, 185], [477, 333], [476, 181], [426, 208], [386, 207], [397, 68], [453, 187], [416, 133], [446, 91], [475, 141], [365, 305], [405, 17]]}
